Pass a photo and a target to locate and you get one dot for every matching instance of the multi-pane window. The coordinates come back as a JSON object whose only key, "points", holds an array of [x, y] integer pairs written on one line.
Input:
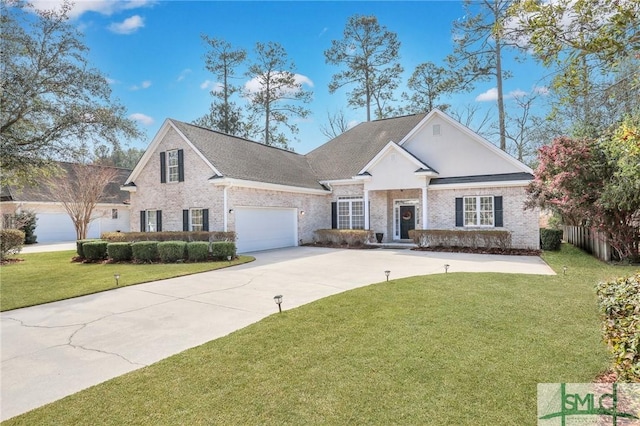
{"points": [[172, 165], [350, 213], [196, 220], [152, 221], [114, 213], [478, 211]]}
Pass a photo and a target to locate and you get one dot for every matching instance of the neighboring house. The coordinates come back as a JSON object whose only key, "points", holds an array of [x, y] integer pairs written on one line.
{"points": [[423, 171], [53, 223]]}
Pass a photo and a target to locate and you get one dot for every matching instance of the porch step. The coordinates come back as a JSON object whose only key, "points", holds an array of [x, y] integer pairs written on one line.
{"points": [[396, 245]]}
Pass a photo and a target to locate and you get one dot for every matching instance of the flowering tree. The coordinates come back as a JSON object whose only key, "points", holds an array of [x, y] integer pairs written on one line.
{"points": [[594, 183]]}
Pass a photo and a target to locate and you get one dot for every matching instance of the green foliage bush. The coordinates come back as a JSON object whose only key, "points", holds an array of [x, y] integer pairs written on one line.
{"points": [[550, 239], [169, 236], [145, 251], [220, 250], [27, 221], [171, 251], [619, 303], [119, 252], [81, 243], [11, 241], [472, 238], [95, 250], [197, 251], [350, 237]]}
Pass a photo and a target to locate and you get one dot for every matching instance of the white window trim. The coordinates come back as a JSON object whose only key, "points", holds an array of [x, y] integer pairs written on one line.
{"points": [[478, 211], [350, 201], [170, 167], [147, 216], [191, 218]]}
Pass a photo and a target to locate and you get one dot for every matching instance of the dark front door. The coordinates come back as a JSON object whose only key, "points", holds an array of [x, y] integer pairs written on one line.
{"points": [[407, 221]]}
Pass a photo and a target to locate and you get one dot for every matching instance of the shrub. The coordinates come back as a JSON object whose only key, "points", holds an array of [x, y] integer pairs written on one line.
{"points": [[119, 252], [145, 251], [11, 241], [169, 236], [27, 223], [197, 251], [550, 239], [95, 250], [619, 303], [472, 238], [81, 243], [171, 251], [350, 237], [221, 250]]}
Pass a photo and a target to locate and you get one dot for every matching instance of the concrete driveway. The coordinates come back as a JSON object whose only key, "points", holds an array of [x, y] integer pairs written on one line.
{"points": [[54, 350]]}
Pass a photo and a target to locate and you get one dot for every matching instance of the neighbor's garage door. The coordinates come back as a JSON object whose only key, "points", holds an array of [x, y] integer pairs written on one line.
{"points": [[265, 228], [58, 227]]}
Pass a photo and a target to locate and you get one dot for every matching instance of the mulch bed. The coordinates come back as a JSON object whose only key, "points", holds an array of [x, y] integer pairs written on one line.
{"points": [[508, 252], [10, 261]]}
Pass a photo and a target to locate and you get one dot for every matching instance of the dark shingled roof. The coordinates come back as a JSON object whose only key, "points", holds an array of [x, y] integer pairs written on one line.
{"points": [[482, 178], [240, 158], [346, 155], [42, 193]]}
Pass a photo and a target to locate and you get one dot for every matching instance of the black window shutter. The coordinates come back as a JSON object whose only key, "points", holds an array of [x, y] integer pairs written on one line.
{"points": [[185, 220], [143, 221], [159, 220], [205, 220], [497, 208], [334, 215], [459, 212], [163, 167], [180, 165]]}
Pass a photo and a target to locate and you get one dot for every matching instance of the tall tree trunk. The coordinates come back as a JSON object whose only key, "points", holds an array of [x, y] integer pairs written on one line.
{"points": [[501, 116]]}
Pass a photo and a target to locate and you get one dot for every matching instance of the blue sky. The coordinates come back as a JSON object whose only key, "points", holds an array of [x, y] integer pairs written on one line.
{"points": [[153, 54]]}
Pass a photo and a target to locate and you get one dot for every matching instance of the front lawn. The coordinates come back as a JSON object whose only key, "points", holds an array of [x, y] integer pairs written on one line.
{"points": [[47, 277], [460, 348]]}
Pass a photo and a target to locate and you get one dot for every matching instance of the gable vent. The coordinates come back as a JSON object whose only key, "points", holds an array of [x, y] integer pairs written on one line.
{"points": [[436, 130]]}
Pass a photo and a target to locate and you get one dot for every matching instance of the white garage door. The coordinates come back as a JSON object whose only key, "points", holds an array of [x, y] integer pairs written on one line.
{"points": [[265, 228], [58, 227]]}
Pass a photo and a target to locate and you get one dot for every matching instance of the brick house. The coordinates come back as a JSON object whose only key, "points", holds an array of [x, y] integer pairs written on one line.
{"points": [[422, 171]]}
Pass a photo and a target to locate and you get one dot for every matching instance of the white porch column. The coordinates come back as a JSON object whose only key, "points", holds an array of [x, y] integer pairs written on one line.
{"points": [[424, 207], [366, 209], [225, 210]]}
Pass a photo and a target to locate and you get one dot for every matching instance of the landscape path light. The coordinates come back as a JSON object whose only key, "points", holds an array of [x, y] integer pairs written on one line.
{"points": [[117, 277], [387, 274], [446, 268], [278, 300]]}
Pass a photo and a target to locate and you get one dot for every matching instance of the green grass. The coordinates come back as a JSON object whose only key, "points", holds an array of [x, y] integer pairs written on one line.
{"points": [[460, 348], [47, 277]]}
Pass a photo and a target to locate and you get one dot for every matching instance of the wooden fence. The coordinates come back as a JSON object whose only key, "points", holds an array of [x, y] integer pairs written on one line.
{"points": [[589, 240]]}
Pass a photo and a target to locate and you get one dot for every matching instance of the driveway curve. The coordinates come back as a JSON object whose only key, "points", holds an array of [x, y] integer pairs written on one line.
{"points": [[54, 350]]}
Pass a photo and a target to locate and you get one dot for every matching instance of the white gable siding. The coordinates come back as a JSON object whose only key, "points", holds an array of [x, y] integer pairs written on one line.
{"points": [[455, 153], [394, 171]]}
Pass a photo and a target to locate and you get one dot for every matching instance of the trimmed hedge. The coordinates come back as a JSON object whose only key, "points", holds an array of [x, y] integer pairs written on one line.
{"points": [[221, 250], [619, 303], [11, 241], [80, 243], [145, 251], [119, 252], [171, 251], [472, 238], [95, 250], [197, 251], [350, 237], [169, 236], [550, 239]]}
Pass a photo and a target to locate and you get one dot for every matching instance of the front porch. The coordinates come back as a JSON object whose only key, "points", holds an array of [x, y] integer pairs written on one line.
{"points": [[396, 212]]}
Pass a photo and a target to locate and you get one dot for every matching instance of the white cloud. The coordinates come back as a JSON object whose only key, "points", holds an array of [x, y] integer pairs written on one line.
{"points": [[541, 90], [103, 7], [214, 86], [111, 81], [352, 124], [324, 30], [489, 95], [516, 94], [144, 85], [128, 26], [254, 85], [184, 73], [142, 118]]}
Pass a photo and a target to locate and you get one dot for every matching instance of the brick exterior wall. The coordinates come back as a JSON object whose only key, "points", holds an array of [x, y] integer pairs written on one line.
{"points": [[522, 223], [197, 192]]}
